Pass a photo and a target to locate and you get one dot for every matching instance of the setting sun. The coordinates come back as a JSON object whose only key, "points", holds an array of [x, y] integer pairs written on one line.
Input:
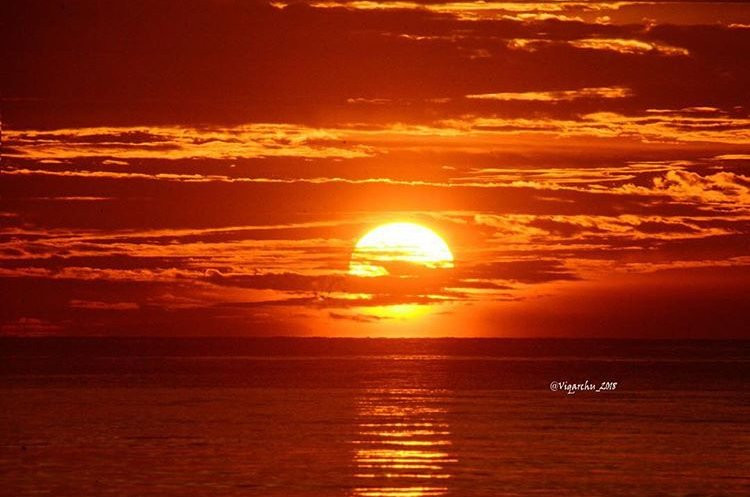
{"points": [[397, 243]]}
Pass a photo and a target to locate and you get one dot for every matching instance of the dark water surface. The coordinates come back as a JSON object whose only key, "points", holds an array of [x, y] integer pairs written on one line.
{"points": [[367, 417]]}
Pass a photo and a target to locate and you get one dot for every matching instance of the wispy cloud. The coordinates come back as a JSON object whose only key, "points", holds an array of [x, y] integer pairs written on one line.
{"points": [[475, 10], [556, 95], [618, 45], [252, 140], [356, 140]]}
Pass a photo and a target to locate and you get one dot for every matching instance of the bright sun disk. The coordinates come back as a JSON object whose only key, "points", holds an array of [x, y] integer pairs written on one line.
{"points": [[399, 242]]}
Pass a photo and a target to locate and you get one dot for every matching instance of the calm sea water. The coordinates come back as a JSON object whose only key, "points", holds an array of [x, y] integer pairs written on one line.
{"points": [[365, 417]]}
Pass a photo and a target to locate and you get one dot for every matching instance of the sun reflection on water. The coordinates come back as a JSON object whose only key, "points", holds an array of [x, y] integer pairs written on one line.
{"points": [[403, 447]]}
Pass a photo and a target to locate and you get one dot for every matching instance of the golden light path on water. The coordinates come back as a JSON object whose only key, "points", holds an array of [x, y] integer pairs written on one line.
{"points": [[403, 448]]}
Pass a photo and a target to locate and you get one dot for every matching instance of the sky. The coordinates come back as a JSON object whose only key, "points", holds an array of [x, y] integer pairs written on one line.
{"points": [[207, 167]]}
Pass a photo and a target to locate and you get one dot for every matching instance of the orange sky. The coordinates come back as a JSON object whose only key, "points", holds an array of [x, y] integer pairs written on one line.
{"points": [[205, 168]]}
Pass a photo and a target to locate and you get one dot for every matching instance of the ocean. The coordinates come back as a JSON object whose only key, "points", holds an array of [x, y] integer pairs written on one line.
{"points": [[374, 417]]}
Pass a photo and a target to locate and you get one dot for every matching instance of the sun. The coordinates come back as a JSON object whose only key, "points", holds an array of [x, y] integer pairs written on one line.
{"points": [[397, 245]]}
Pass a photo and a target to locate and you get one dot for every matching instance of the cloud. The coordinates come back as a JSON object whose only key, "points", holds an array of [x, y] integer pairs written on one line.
{"points": [[723, 187], [603, 12], [523, 271], [629, 46], [104, 306], [557, 95], [477, 11], [619, 45], [355, 140], [251, 140], [610, 125]]}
